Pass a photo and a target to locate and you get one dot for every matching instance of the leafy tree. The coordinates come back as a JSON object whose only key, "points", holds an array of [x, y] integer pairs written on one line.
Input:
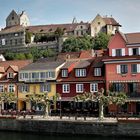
{"points": [[101, 41], [103, 100], [74, 44], [43, 99], [59, 33], [28, 36], [8, 98]]}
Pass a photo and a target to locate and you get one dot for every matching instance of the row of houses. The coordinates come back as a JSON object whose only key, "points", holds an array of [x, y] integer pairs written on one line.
{"points": [[69, 74]]}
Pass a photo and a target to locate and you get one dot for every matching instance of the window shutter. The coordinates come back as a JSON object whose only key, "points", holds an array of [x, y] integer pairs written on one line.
{"points": [[49, 87], [113, 52], [139, 50], [118, 69], [41, 88], [130, 51], [138, 68], [123, 52]]}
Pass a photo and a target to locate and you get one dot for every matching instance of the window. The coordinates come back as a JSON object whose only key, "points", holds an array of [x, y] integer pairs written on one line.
{"points": [[135, 51], [79, 88], [42, 75], [118, 87], [118, 52], [10, 75], [45, 88], [64, 73], [51, 74], [97, 71], [99, 23], [35, 75], [24, 88], [11, 88], [24, 75], [93, 87], [124, 69], [80, 72], [1, 88], [66, 88], [133, 68]]}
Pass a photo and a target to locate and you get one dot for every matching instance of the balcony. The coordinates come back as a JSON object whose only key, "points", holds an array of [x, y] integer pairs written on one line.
{"points": [[35, 80], [133, 94]]}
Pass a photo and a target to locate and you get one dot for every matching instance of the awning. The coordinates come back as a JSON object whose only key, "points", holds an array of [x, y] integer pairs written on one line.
{"points": [[125, 81]]}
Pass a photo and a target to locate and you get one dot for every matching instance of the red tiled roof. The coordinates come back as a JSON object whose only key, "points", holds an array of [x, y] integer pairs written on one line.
{"points": [[90, 77], [17, 28], [132, 38], [2, 70], [15, 63], [111, 21], [52, 27]]}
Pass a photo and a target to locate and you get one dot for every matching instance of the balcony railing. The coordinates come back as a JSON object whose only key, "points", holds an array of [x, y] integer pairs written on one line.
{"points": [[133, 94]]}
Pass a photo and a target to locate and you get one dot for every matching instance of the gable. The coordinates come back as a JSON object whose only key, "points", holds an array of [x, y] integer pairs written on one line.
{"points": [[12, 14]]}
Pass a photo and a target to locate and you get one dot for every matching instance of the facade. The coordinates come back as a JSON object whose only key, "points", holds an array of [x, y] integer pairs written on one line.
{"points": [[77, 77], [9, 78], [123, 69], [36, 78], [106, 24]]}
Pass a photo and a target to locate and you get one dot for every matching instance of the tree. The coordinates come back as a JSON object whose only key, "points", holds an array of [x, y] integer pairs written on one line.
{"points": [[43, 99], [28, 36], [58, 33], [8, 98], [74, 44], [29, 56], [101, 41], [103, 100]]}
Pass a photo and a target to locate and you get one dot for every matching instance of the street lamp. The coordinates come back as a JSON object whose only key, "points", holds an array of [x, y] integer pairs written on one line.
{"points": [[60, 107]]}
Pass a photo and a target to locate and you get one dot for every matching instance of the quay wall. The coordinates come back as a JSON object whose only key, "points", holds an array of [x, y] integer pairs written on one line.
{"points": [[71, 127]]}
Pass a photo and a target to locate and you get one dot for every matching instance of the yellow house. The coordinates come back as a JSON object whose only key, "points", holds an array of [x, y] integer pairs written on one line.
{"points": [[37, 78]]}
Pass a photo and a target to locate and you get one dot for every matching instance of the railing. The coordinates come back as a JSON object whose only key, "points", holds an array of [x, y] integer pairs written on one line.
{"points": [[134, 94]]}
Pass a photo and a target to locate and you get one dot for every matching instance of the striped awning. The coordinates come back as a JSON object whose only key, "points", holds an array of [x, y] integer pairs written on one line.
{"points": [[125, 81]]}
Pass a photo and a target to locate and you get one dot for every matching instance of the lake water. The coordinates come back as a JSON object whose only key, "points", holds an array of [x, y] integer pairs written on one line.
{"points": [[26, 136]]}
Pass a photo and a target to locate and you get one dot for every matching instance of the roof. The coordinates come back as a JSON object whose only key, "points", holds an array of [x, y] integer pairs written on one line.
{"points": [[52, 27], [97, 63], [17, 28], [68, 64], [15, 64], [42, 66], [83, 63], [110, 21], [132, 38], [75, 55], [88, 64], [15, 68], [2, 70]]}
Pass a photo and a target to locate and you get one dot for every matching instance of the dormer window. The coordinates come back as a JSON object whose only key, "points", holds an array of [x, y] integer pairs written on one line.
{"points": [[97, 71], [64, 73], [80, 72], [10, 75]]}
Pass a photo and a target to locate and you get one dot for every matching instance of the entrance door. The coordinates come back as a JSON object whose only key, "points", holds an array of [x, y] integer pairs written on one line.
{"points": [[24, 106]]}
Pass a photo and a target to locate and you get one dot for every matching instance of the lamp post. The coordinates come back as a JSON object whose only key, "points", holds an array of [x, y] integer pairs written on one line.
{"points": [[60, 107]]}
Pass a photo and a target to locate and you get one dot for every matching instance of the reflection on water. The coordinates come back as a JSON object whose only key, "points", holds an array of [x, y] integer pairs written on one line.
{"points": [[25, 136]]}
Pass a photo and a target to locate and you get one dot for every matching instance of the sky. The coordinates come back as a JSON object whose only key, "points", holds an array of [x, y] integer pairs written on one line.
{"points": [[126, 12]]}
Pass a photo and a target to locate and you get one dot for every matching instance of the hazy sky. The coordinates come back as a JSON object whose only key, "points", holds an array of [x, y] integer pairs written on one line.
{"points": [[126, 12]]}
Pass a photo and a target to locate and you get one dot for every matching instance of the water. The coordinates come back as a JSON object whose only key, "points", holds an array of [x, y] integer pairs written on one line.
{"points": [[26, 136]]}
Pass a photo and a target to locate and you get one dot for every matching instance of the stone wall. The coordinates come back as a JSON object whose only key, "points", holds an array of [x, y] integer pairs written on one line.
{"points": [[71, 127]]}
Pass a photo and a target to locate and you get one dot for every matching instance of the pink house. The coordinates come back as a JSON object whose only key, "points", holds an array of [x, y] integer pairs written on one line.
{"points": [[123, 69]]}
